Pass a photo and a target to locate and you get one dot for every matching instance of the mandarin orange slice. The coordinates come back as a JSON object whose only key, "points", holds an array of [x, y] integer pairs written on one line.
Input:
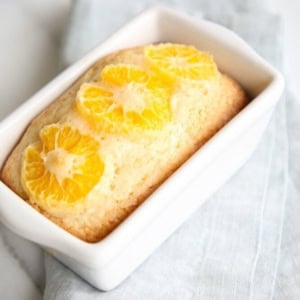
{"points": [[126, 98], [175, 61], [64, 166]]}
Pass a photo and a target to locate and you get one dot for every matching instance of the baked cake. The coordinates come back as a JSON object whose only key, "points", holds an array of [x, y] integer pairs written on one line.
{"points": [[100, 149]]}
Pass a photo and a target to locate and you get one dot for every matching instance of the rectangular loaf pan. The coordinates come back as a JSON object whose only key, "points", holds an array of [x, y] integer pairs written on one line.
{"points": [[107, 263]]}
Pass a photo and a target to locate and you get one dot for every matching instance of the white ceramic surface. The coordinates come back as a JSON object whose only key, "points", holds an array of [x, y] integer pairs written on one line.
{"points": [[107, 263]]}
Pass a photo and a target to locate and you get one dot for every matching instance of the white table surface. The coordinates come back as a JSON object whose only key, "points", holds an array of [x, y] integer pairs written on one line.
{"points": [[30, 35]]}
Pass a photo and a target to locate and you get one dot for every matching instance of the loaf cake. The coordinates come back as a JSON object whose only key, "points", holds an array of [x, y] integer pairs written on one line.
{"points": [[102, 147]]}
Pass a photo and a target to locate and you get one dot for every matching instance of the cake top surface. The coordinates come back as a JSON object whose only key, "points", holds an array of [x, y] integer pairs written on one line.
{"points": [[130, 99]]}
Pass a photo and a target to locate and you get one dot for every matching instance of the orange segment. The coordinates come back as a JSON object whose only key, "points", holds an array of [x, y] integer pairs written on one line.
{"points": [[122, 74], [126, 98], [175, 61], [64, 166]]}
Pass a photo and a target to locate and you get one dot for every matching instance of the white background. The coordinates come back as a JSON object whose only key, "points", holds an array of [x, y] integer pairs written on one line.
{"points": [[30, 36]]}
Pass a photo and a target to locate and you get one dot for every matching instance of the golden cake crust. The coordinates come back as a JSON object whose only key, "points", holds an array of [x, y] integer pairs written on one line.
{"points": [[85, 222]]}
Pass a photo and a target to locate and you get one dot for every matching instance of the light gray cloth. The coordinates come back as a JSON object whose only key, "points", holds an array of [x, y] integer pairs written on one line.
{"points": [[239, 245]]}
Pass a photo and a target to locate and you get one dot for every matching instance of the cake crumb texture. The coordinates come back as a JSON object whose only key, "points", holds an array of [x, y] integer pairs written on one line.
{"points": [[136, 161]]}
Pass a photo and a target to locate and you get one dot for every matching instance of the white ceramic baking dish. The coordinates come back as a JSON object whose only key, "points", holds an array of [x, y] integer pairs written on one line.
{"points": [[107, 263]]}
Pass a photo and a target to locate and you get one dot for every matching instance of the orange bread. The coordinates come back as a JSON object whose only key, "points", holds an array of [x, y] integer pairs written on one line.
{"points": [[98, 151]]}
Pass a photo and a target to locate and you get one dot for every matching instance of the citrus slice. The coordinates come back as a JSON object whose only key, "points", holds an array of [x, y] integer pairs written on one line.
{"points": [[175, 61], [64, 166], [126, 98]]}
